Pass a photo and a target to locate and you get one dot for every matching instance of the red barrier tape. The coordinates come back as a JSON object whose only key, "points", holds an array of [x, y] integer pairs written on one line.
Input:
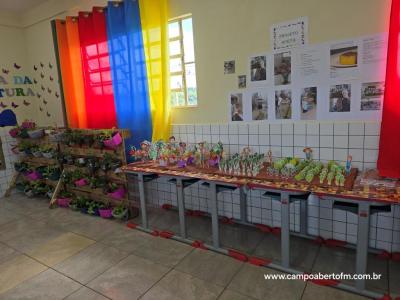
{"points": [[264, 228], [199, 245], [131, 225], [384, 255], [276, 230], [166, 206], [387, 297], [226, 220], [319, 240], [166, 234], [335, 243], [238, 255], [155, 233], [259, 261], [325, 282], [396, 256]]}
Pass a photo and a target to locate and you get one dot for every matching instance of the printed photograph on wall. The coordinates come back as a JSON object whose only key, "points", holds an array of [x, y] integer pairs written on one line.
{"points": [[229, 67], [236, 106], [283, 104], [259, 105], [372, 95], [258, 68], [242, 81], [308, 103], [344, 57], [340, 98], [282, 68]]}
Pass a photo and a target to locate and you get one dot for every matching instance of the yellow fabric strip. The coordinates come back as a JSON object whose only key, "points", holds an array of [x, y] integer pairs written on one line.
{"points": [[154, 20]]}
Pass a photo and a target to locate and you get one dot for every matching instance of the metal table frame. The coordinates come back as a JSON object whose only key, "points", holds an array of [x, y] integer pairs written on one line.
{"points": [[362, 236]]}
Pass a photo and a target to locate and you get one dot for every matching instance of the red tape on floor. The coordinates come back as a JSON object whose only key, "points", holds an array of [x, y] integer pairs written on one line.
{"points": [[325, 282], [166, 234], [264, 228], [396, 256], [387, 297], [199, 245], [238, 255], [330, 242], [155, 233], [226, 220], [166, 206], [276, 231], [259, 261], [384, 255], [131, 225]]}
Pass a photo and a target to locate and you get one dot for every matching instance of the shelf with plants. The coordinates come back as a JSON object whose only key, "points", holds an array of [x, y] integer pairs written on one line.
{"points": [[91, 161], [38, 171]]}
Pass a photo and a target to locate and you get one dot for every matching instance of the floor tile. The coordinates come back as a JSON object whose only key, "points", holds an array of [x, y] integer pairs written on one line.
{"points": [[303, 252], [314, 291], [178, 285], [7, 253], [129, 279], [126, 239], [394, 277], [231, 295], [161, 219], [33, 239], [163, 251], [47, 285], [85, 294], [60, 248], [209, 266], [19, 227], [90, 262], [250, 281], [95, 228], [7, 216], [197, 228], [239, 237], [17, 270]]}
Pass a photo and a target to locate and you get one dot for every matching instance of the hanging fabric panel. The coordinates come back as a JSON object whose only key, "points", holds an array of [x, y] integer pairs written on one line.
{"points": [[76, 71], [66, 71], [389, 144], [128, 67], [154, 20], [96, 70]]}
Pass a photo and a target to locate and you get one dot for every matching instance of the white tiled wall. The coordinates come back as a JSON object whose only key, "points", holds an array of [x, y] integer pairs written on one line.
{"points": [[6, 175], [328, 140]]}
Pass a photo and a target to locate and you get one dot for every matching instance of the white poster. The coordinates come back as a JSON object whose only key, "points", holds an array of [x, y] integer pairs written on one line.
{"points": [[289, 34], [373, 57], [344, 60], [311, 63]]}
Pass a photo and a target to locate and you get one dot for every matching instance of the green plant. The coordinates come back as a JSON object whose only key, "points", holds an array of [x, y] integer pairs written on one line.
{"points": [[66, 194], [52, 172], [77, 174], [24, 146], [119, 210], [82, 201], [46, 148]]}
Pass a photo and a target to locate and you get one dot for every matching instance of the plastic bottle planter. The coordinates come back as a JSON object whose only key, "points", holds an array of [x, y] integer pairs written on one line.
{"points": [[48, 155], [114, 142], [118, 194], [32, 176], [81, 182], [120, 215], [63, 202], [105, 213], [36, 134], [37, 153]]}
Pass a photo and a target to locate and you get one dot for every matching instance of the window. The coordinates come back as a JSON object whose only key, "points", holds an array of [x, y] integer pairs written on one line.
{"points": [[182, 63]]}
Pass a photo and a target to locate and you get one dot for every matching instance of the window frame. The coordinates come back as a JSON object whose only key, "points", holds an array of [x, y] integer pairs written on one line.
{"points": [[181, 56]]}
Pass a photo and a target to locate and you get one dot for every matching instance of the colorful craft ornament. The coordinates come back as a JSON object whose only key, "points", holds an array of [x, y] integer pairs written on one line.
{"points": [[5, 71], [142, 153], [348, 164], [308, 152], [17, 66]]}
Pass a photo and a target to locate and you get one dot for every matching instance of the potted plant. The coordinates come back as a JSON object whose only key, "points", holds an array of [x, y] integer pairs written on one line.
{"points": [[21, 166], [105, 211], [47, 151], [114, 141], [28, 191], [66, 177], [52, 172], [88, 140], [106, 162], [115, 191], [100, 138], [64, 199], [40, 188], [73, 204], [22, 185], [80, 162], [33, 132], [92, 164], [78, 178], [93, 208], [120, 212], [42, 171], [36, 151], [25, 147]]}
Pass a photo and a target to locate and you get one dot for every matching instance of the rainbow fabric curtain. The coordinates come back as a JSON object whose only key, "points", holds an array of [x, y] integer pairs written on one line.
{"points": [[114, 68], [389, 144]]}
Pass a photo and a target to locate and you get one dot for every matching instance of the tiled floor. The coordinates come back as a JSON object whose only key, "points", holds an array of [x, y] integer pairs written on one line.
{"points": [[60, 254]]}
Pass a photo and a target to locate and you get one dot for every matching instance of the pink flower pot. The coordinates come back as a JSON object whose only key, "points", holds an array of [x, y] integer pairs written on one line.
{"points": [[81, 182], [118, 194], [105, 213], [32, 176], [114, 142], [63, 202]]}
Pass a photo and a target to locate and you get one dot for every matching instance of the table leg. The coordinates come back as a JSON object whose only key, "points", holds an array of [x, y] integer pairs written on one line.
{"points": [[181, 207], [304, 217], [362, 242], [243, 204], [285, 228], [142, 201], [214, 214]]}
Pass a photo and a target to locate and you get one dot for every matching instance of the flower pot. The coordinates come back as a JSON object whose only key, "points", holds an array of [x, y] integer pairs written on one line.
{"points": [[84, 210], [63, 202], [118, 194], [48, 155], [105, 213], [14, 132], [33, 176], [121, 216], [81, 182], [114, 142], [37, 154], [36, 134]]}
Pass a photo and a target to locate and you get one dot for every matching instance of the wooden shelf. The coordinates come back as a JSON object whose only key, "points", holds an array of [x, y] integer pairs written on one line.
{"points": [[87, 152], [95, 194], [40, 160]]}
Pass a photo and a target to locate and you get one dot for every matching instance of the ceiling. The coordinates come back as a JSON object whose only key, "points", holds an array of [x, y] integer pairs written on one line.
{"points": [[18, 6]]}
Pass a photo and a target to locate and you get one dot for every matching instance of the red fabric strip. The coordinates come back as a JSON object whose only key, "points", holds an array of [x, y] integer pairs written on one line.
{"points": [[131, 225], [384, 255], [325, 282], [99, 95], [335, 243], [166, 206], [199, 245], [259, 261], [276, 231], [226, 220], [264, 228], [166, 234], [237, 255]]}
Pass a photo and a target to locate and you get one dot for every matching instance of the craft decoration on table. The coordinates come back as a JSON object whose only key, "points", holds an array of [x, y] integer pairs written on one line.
{"points": [[348, 164], [17, 66], [143, 153], [308, 152], [5, 71], [246, 163], [8, 118]]}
